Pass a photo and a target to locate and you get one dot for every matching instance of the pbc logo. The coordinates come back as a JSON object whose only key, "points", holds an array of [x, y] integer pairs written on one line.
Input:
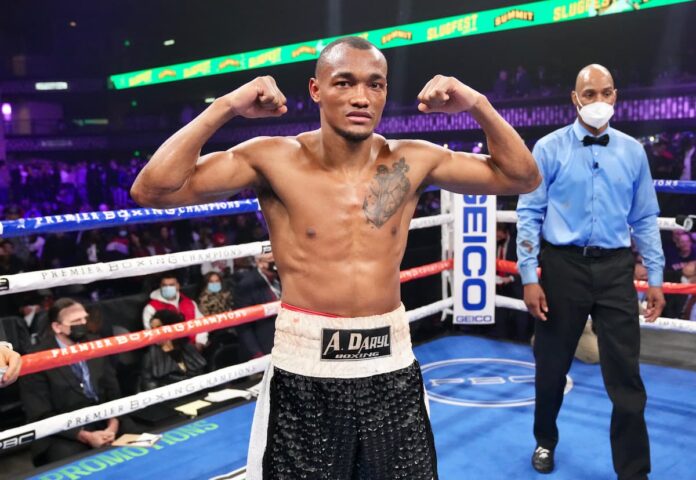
{"points": [[17, 440], [355, 344]]}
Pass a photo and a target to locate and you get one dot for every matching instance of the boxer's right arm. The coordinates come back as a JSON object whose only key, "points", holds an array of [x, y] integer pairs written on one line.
{"points": [[178, 175]]}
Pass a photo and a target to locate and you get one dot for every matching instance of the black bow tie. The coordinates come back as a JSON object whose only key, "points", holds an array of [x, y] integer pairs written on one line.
{"points": [[601, 140]]}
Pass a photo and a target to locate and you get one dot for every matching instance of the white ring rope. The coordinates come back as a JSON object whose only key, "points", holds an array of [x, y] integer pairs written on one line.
{"points": [[92, 272]]}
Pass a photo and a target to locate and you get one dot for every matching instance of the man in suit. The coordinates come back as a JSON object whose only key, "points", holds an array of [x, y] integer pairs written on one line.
{"points": [[255, 286], [71, 387]]}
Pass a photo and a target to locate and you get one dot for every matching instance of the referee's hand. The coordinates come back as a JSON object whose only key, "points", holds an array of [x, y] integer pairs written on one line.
{"points": [[535, 299], [655, 300]]}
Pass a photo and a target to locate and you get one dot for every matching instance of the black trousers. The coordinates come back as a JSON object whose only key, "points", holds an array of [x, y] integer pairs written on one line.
{"points": [[575, 287]]}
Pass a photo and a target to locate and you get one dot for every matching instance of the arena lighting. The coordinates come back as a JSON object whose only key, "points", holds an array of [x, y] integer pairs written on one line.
{"points": [[6, 111], [209, 99], [51, 85], [169, 42], [475, 23]]}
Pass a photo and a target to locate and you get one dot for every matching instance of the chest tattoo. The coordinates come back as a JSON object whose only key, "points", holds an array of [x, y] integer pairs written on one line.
{"points": [[386, 193]]}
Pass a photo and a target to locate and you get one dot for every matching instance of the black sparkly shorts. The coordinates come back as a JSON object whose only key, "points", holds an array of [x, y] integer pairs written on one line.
{"points": [[370, 428]]}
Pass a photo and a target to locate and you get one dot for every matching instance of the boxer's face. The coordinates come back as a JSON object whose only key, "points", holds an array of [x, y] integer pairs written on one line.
{"points": [[351, 90]]}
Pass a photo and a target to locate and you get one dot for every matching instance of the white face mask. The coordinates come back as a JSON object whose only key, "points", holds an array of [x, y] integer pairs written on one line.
{"points": [[595, 114], [168, 292]]}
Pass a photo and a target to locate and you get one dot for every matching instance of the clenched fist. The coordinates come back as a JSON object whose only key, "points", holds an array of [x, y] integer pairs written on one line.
{"points": [[447, 95], [259, 98]]}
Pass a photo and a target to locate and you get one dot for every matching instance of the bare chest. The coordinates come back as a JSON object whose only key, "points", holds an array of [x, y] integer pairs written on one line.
{"points": [[331, 202]]}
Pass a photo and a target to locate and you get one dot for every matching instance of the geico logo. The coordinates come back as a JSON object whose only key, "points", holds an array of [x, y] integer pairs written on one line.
{"points": [[475, 318], [482, 380]]}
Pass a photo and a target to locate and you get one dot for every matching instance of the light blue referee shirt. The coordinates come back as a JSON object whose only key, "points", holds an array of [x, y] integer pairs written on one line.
{"points": [[590, 196]]}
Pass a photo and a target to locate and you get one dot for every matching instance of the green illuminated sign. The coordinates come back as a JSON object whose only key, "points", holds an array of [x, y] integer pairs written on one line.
{"points": [[499, 19]]}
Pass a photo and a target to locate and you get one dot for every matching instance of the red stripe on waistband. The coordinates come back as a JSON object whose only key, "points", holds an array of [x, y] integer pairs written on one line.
{"points": [[293, 308]]}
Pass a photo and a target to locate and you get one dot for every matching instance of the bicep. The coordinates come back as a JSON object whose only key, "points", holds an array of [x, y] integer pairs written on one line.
{"points": [[469, 173], [217, 176]]}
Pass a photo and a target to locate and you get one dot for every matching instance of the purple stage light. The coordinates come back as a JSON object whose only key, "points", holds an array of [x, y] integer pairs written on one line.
{"points": [[7, 111]]}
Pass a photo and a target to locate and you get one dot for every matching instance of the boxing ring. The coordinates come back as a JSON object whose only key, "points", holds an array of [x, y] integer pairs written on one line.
{"points": [[481, 390]]}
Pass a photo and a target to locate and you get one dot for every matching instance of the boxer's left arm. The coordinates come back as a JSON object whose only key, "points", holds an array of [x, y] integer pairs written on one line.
{"points": [[510, 168]]}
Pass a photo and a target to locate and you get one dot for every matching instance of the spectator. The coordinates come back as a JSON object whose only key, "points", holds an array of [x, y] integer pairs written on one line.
{"points": [[689, 165], [224, 267], [510, 324], [5, 183], [33, 324], [523, 84], [171, 361], [9, 262], [689, 272], [501, 88], [679, 253], [256, 286], [214, 298], [169, 297], [68, 388]]}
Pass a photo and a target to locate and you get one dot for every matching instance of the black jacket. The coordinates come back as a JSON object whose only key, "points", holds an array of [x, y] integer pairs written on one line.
{"points": [[51, 392], [159, 367], [252, 289]]}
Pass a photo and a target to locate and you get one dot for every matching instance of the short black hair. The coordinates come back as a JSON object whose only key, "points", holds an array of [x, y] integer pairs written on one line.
{"points": [[167, 317], [353, 42], [58, 306], [166, 275]]}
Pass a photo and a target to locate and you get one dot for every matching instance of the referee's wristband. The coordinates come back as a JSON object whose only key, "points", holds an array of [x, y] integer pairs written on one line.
{"points": [[6, 345]]}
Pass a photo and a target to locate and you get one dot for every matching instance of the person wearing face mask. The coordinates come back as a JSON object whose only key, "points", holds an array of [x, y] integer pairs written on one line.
{"points": [[214, 298], [71, 387], [169, 297], [170, 361], [596, 193]]}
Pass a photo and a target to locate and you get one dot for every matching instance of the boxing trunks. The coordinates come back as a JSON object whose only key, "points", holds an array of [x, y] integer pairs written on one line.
{"points": [[343, 398]]}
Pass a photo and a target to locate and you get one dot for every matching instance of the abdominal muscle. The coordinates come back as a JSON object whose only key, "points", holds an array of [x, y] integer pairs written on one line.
{"points": [[344, 274], [342, 288]]}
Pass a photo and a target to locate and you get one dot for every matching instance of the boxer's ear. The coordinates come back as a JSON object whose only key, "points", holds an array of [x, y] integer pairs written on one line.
{"points": [[314, 89]]}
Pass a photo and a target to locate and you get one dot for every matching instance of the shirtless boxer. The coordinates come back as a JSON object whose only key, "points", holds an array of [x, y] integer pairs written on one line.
{"points": [[343, 397]]}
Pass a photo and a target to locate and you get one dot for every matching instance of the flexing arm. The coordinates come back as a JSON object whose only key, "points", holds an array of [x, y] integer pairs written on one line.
{"points": [[510, 168], [177, 174]]}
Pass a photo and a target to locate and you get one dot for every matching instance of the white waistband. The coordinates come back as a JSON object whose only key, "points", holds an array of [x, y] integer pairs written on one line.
{"points": [[329, 347]]}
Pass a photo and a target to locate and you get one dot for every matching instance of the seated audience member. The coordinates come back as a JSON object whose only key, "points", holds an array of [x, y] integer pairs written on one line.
{"points": [[510, 324], [256, 286], [169, 297], [679, 253], [170, 361], [71, 387], [689, 272], [223, 267], [213, 297]]}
